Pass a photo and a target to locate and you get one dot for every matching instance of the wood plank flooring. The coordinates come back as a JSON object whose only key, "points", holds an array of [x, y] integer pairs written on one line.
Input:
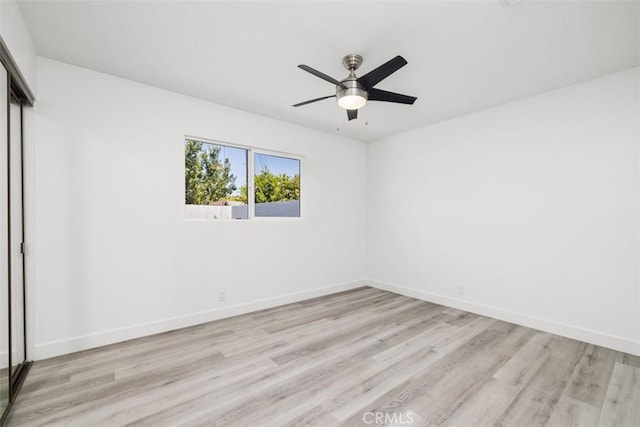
{"points": [[358, 358]]}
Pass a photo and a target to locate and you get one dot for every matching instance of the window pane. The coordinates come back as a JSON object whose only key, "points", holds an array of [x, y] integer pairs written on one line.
{"points": [[277, 186], [215, 181]]}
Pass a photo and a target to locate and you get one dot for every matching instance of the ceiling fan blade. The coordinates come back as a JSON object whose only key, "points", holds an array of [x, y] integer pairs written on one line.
{"points": [[323, 76], [383, 95], [352, 114], [300, 104], [374, 77]]}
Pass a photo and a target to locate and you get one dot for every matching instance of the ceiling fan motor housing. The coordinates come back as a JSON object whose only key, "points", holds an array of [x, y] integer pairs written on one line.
{"points": [[353, 97]]}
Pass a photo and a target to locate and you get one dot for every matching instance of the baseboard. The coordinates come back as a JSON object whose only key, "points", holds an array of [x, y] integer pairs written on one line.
{"points": [[593, 337], [57, 348]]}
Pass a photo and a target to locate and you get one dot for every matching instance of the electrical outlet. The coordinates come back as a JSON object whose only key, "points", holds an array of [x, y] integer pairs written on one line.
{"points": [[222, 296], [460, 290]]}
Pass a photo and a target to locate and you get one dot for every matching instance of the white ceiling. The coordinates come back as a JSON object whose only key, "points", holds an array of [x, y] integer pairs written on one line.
{"points": [[463, 56]]}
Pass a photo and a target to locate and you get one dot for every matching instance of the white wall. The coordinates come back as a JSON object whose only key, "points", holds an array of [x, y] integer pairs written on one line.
{"points": [[115, 257], [531, 207]]}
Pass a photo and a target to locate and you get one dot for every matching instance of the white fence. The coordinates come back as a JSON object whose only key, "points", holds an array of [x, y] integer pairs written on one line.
{"points": [[289, 208], [207, 212]]}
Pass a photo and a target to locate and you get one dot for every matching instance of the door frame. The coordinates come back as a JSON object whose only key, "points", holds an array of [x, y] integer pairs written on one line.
{"points": [[16, 377], [18, 89]]}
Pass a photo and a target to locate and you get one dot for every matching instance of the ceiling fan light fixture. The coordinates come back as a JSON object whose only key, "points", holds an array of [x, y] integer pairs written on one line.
{"points": [[352, 98], [352, 102]]}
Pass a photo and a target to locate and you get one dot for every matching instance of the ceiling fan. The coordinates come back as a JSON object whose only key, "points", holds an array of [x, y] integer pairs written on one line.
{"points": [[353, 92]]}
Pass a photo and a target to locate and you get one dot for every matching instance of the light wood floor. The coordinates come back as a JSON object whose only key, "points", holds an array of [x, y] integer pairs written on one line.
{"points": [[332, 360]]}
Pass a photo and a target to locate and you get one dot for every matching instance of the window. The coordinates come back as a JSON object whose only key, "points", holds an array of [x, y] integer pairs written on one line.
{"points": [[221, 182], [215, 181], [277, 186]]}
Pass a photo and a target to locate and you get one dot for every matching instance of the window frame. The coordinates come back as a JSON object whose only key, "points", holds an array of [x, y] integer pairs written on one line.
{"points": [[251, 150]]}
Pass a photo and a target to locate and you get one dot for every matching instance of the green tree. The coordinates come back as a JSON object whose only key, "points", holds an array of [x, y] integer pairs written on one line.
{"points": [[267, 189], [273, 188], [290, 187], [192, 172], [207, 178]]}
